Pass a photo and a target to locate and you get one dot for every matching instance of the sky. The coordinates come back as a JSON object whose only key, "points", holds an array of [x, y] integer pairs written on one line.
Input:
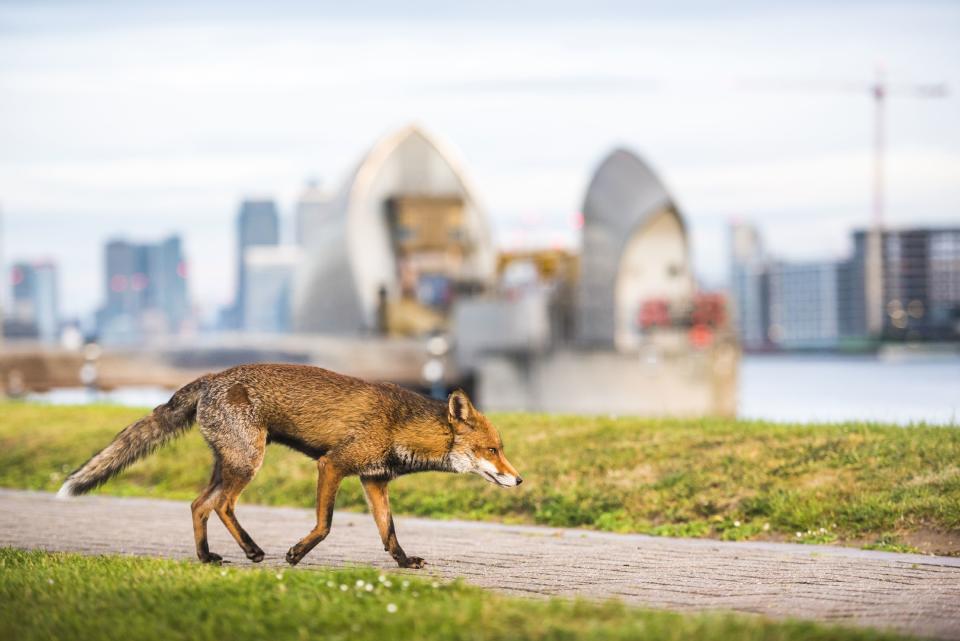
{"points": [[138, 120]]}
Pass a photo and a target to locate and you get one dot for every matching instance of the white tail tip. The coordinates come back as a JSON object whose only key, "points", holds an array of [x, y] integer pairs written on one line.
{"points": [[66, 490]]}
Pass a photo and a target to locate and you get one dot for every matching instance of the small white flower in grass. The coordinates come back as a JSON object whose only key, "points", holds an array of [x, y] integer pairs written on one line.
{"points": [[435, 585], [387, 584], [381, 579], [391, 607], [823, 530], [368, 587], [799, 535], [50, 581], [331, 584], [766, 527], [405, 584], [279, 576], [343, 588], [736, 524], [360, 583], [223, 573]]}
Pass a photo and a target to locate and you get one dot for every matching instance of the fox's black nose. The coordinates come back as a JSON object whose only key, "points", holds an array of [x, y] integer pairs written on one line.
{"points": [[519, 480]]}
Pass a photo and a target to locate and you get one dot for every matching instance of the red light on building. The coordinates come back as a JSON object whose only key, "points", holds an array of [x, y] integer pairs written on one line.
{"points": [[118, 283], [139, 281], [578, 220], [182, 269], [16, 274]]}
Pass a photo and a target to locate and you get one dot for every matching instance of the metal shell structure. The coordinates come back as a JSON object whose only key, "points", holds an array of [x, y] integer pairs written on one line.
{"points": [[634, 250], [351, 249]]}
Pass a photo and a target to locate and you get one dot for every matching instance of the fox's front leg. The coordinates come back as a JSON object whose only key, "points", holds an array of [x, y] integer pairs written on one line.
{"points": [[379, 501], [329, 477]]}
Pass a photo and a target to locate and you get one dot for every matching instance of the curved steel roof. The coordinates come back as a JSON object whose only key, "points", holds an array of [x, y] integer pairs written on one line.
{"points": [[624, 194], [350, 256]]}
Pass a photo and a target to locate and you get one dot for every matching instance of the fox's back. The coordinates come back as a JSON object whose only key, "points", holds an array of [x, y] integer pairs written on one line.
{"points": [[316, 410]]}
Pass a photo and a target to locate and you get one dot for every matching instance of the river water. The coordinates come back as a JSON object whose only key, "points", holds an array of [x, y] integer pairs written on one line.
{"points": [[851, 388], [783, 388]]}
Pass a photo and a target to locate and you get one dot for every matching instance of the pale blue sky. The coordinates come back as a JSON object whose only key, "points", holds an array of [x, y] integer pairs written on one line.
{"points": [[141, 119]]}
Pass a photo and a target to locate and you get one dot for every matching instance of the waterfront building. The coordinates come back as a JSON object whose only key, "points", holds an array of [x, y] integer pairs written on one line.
{"points": [[310, 208], [35, 312], [921, 282], [145, 290], [804, 304], [258, 224], [749, 287], [269, 287]]}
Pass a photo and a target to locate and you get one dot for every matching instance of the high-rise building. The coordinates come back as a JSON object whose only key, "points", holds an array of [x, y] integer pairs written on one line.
{"points": [[145, 290], [35, 308], [313, 204], [821, 305], [803, 304], [257, 225], [921, 282], [750, 286], [269, 273]]}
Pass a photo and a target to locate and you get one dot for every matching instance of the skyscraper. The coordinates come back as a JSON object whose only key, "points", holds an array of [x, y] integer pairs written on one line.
{"points": [[257, 225], [750, 286], [145, 290], [270, 272], [311, 206], [35, 302], [803, 300], [921, 282]]}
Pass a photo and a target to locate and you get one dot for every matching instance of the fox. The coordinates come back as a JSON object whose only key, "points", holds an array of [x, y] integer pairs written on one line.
{"points": [[349, 426]]}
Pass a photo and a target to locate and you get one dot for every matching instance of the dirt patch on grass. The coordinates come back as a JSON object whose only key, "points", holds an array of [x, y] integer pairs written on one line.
{"points": [[931, 541]]}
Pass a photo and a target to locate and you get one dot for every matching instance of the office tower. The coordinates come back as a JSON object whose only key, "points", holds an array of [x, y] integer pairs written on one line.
{"points": [[803, 304], [311, 206], [35, 303], [257, 225], [145, 290], [749, 286], [269, 274]]}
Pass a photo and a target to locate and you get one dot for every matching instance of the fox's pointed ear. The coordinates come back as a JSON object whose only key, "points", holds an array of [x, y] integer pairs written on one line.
{"points": [[459, 407]]}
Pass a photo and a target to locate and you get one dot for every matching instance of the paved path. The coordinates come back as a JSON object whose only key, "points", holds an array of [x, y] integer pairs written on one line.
{"points": [[911, 593]]}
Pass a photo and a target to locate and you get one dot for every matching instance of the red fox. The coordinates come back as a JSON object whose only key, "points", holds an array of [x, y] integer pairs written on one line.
{"points": [[377, 431]]}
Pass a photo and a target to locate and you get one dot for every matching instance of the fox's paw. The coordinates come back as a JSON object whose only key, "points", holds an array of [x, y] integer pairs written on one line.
{"points": [[414, 562], [294, 555], [256, 555], [210, 557]]}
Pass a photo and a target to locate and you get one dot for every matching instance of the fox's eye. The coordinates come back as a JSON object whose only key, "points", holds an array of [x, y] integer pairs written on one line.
{"points": [[492, 450]]}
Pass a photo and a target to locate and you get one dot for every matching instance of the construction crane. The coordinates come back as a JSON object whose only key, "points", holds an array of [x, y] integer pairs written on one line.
{"points": [[879, 91]]}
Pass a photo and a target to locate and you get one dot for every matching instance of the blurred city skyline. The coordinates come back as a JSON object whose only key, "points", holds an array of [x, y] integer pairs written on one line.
{"points": [[133, 121]]}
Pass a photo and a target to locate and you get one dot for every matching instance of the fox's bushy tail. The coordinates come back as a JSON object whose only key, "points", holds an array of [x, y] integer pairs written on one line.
{"points": [[137, 440]]}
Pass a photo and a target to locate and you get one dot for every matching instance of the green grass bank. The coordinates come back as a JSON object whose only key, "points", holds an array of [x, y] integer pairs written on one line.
{"points": [[874, 486]]}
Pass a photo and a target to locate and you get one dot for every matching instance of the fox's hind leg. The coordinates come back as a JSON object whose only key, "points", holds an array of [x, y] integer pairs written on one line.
{"points": [[201, 508], [379, 502], [238, 443], [329, 477]]}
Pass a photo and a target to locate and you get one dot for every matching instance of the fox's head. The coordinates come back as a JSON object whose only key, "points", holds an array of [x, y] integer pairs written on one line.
{"points": [[477, 447]]}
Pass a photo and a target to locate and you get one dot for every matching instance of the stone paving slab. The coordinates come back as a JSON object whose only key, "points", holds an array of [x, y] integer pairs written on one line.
{"points": [[910, 593]]}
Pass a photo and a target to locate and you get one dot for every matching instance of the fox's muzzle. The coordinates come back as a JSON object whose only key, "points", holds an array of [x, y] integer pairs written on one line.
{"points": [[504, 474]]}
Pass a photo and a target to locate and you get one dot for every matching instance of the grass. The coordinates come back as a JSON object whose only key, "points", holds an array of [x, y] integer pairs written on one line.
{"points": [[63, 596], [881, 487]]}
